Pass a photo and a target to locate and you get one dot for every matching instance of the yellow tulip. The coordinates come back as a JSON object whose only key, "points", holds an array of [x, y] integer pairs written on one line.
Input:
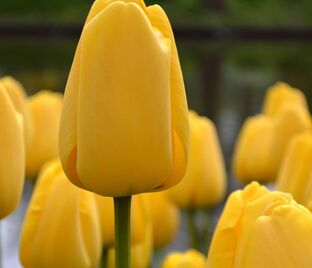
{"points": [[279, 95], [204, 182], [291, 120], [17, 95], [295, 175], [141, 250], [124, 125], [259, 228], [252, 158], [61, 227], [165, 217], [45, 108], [189, 259], [12, 155]]}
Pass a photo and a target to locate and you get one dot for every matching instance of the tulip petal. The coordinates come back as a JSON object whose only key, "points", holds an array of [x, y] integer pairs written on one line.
{"points": [[124, 115], [180, 128]]}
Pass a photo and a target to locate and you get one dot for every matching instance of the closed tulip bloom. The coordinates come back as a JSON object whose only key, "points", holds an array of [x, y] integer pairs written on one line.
{"points": [[45, 108], [295, 175], [129, 133], [142, 247], [106, 214], [18, 96], [12, 155], [189, 259], [252, 158], [259, 228], [61, 227], [204, 182], [280, 94], [291, 120], [165, 217]]}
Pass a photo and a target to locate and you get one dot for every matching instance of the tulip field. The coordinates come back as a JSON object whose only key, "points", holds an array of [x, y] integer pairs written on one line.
{"points": [[142, 144]]}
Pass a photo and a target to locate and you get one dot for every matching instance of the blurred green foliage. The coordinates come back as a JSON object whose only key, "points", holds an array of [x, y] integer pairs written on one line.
{"points": [[212, 12]]}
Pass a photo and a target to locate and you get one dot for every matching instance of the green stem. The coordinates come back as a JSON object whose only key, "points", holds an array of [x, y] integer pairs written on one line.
{"points": [[104, 259], [192, 228], [122, 231]]}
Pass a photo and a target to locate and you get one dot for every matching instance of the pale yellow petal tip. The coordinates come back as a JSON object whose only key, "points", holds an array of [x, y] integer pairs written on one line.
{"points": [[189, 259]]}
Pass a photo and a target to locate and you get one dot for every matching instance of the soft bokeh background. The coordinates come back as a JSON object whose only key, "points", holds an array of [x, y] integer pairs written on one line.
{"points": [[230, 51]]}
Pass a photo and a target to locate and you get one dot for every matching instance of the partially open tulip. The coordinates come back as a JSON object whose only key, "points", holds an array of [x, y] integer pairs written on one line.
{"points": [[295, 175], [12, 155], [18, 97], [124, 125], [204, 182], [252, 159], [259, 228], [165, 217], [45, 108], [282, 94], [61, 227], [291, 120], [189, 259], [142, 247]]}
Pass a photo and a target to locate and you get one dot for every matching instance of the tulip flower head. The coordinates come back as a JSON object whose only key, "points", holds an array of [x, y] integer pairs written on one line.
{"points": [[12, 155], [259, 228], [189, 259], [61, 227], [45, 109], [204, 183], [124, 124]]}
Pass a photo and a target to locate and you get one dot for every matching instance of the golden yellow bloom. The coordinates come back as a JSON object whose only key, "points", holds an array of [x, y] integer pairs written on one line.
{"points": [[166, 219], [279, 95], [295, 175], [18, 96], [189, 259], [12, 155], [45, 108], [61, 227], [129, 133], [142, 248], [252, 158], [291, 120], [259, 228], [204, 182]]}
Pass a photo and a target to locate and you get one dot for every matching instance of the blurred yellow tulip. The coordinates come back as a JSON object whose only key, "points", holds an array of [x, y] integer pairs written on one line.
{"points": [[279, 95], [166, 219], [189, 259], [141, 250], [129, 133], [45, 108], [252, 158], [204, 183], [295, 175], [12, 155], [61, 227], [291, 120], [259, 228], [18, 96]]}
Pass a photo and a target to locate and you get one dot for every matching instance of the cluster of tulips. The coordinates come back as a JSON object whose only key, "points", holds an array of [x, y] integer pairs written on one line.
{"points": [[117, 157]]}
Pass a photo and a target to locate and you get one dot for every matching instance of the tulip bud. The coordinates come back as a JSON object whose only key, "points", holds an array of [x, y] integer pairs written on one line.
{"points": [[258, 227], [45, 109], [141, 249], [17, 94], [204, 182], [279, 95], [165, 217], [12, 155], [124, 125], [295, 175], [61, 227], [252, 159], [189, 259]]}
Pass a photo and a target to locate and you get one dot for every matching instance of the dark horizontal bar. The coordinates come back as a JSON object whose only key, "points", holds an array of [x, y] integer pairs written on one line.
{"points": [[44, 30]]}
